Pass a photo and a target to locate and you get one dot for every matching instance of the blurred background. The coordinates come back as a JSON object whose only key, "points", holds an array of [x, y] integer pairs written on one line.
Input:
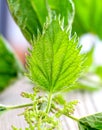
{"points": [[11, 32]]}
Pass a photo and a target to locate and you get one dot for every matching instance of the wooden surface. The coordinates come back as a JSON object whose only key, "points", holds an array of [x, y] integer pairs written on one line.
{"points": [[89, 103]]}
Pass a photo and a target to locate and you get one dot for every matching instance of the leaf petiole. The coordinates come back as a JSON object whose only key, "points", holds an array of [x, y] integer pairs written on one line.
{"points": [[19, 106], [73, 118], [49, 103]]}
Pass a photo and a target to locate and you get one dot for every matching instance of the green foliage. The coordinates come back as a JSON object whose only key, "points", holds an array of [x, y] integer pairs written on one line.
{"points": [[63, 8], [36, 115], [88, 17], [30, 15], [55, 62], [10, 66], [92, 122], [98, 71], [38, 118], [26, 17], [63, 107]]}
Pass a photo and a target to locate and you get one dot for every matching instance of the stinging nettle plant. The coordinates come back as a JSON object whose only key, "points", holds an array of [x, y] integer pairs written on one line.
{"points": [[54, 64]]}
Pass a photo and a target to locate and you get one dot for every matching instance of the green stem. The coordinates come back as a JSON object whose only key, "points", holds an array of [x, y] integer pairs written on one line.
{"points": [[19, 106], [49, 103], [72, 117]]}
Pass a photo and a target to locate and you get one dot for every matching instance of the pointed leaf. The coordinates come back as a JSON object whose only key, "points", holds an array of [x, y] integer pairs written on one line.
{"points": [[30, 15], [92, 122], [55, 62]]}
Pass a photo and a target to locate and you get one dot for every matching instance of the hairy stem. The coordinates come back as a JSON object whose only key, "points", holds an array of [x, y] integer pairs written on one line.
{"points": [[19, 106], [73, 118]]}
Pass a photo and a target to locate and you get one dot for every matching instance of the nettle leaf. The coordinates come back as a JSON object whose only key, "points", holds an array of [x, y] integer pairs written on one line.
{"points": [[30, 15], [63, 8], [88, 17], [25, 16], [55, 62], [92, 122], [10, 66]]}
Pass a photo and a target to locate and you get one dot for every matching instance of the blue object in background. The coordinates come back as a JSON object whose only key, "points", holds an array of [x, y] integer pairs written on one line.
{"points": [[3, 17]]}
